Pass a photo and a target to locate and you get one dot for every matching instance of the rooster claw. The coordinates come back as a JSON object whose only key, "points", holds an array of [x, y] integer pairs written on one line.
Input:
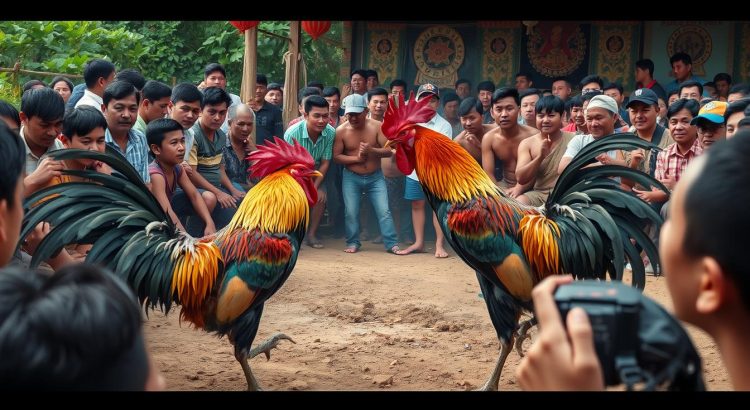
{"points": [[266, 346]]}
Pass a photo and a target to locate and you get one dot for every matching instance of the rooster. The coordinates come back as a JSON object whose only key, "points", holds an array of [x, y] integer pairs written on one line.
{"points": [[221, 281], [584, 228]]}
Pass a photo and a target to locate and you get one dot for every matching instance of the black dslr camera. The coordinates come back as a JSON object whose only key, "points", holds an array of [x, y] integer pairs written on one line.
{"points": [[636, 340]]}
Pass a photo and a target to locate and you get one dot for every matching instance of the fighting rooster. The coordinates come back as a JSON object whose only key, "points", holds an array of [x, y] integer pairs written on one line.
{"points": [[584, 228], [221, 281]]}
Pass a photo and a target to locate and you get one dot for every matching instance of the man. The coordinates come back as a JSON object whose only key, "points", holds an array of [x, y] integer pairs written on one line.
{"points": [[463, 88], [451, 101], [377, 103], [682, 67], [41, 117], [120, 110], [302, 95], [539, 155], [214, 75], [523, 81], [268, 118], [591, 83], [357, 83], [691, 89], [484, 93], [359, 147], [316, 135], [472, 136], [561, 88], [413, 190], [333, 96], [734, 114], [529, 98], [722, 81], [644, 77], [738, 91], [274, 95], [11, 190], [615, 90], [187, 102], [155, 100], [577, 123], [710, 123], [371, 80], [502, 142], [97, 74], [398, 87], [601, 116]]}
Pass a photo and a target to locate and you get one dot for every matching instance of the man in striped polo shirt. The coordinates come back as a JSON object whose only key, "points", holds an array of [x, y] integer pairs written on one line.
{"points": [[316, 135]]}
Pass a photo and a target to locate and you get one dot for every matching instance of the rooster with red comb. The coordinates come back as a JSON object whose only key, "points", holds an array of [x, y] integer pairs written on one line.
{"points": [[585, 228], [221, 281]]}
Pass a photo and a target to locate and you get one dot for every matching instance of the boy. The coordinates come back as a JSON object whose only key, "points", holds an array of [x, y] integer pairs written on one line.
{"points": [[166, 141]]}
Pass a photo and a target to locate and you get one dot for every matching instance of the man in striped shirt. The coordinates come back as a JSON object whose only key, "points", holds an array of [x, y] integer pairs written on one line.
{"points": [[316, 135]]}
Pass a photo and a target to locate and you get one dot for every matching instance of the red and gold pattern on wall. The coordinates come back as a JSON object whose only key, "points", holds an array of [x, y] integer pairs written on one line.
{"points": [[615, 47], [438, 53], [741, 71], [500, 51], [384, 49]]}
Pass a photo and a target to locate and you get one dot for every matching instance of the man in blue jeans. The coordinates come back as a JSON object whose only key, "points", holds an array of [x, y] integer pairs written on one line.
{"points": [[359, 147]]}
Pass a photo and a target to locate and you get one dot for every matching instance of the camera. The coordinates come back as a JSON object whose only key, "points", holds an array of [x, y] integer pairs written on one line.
{"points": [[613, 309]]}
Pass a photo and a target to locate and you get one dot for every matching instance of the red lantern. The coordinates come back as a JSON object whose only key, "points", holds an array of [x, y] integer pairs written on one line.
{"points": [[316, 28], [244, 25]]}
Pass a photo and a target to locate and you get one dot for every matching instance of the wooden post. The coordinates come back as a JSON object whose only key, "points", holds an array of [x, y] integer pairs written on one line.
{"points": [[291, 82], [249, 65]]}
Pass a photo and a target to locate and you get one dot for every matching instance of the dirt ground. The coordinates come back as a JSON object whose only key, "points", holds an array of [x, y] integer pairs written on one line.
{"points": [[367, 321]]}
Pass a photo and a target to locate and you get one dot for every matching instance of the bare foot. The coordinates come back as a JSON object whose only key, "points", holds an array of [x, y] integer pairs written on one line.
{"points": [[412, 249], [351, 249], [441, 253]]}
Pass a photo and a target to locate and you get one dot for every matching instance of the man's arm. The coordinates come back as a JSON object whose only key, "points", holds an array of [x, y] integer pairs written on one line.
{"points": [[158, 188], [573, 147], [338, 152], [199, 205], [324, 165], [488, 156], [527, 165], [227, 183]]}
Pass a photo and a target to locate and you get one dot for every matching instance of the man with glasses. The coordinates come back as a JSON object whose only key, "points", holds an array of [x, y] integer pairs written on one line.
{"points": [[710, 123], [591, 83]]}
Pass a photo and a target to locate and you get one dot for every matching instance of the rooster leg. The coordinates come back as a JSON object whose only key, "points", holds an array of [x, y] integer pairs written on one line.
{"points": [[267, 345], [252, 383], [494, 380], [522, 335]]}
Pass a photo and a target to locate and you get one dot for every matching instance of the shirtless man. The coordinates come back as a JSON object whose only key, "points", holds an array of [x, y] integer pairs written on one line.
{"points": [[359, 147], [539, 156], [502, 142], [470, 110]]}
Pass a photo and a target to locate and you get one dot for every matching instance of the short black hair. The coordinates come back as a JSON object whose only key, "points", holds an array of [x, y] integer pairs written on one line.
{"points": [[9, 111], [550, 103], [155, 90], [646, 64], [684, 57], [156, 129], [575, 101], [216, 96], [82, 120], [613, 86], [504, 92], [315, 101], [673, 92], [261, 79], [118, 90], [95, 69], [187, 92], [462, 81], [737, 106], [691, 83], [561, 78], [274, 86], [372, 73], [212, 68], [12, 163], [399, 83], [377, 91], [306, 92], [589, 95], [723, 77], [529, 91], [486, 86], [44, 103], [741, 88], [59, 78], [525, 75], [330, 91], [683, 103], [132, 76], [745, 122], [30, 84], [316, 84], [715, 204], [359, 71], [592, 78], [448, 97], [468, 104]]}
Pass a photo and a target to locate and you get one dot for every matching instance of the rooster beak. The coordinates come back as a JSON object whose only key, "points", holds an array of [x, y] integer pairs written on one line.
{"points": [[388, 144], [316, 173]]}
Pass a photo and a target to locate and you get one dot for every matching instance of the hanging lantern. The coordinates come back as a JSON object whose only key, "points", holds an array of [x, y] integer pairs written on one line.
{"points": [[316, 28], [244, 25]]}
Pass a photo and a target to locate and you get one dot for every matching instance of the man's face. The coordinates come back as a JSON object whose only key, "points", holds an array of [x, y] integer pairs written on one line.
{"points": [[662, 108], [377, 106], [522, 83], [710, 132], [317, 119], [592, 86], [40, 132], [463, 90], [643, 116], [260, 92], [673, 98], [711, 91], [358, 84], [121, 114], [722, 88], [734, 97], [681, 70], [357, 120], [680, 129], [186, 113], [561, 89], [156, 109], [93, 141], [485, 97], [274, 97], [372, 82], [641, 75], [11, 216], [216, 79], [213, 116], [691, 92], [505, 112], [578, 116], [549, 122], [472, 122], [615, 94], [450, 109], [599, 122], [397, 90], [434, 100], [528, 109], [334, 103], [732, 122], [241, 126]]}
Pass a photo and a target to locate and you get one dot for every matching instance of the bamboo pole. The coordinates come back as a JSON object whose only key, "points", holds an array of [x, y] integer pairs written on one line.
{"points": [[249, 66], [291, 82]]}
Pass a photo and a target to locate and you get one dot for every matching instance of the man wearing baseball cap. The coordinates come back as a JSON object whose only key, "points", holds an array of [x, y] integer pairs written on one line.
{"points": [[710, 123], [643, 109], [601, 116]]}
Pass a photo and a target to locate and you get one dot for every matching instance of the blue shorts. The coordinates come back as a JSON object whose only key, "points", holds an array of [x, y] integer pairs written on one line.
{"points": [[413, 190]]}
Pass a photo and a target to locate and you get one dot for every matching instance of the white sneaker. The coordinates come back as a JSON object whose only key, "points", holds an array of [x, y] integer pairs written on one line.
{"points": [[628, 267], [649, 268]]}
